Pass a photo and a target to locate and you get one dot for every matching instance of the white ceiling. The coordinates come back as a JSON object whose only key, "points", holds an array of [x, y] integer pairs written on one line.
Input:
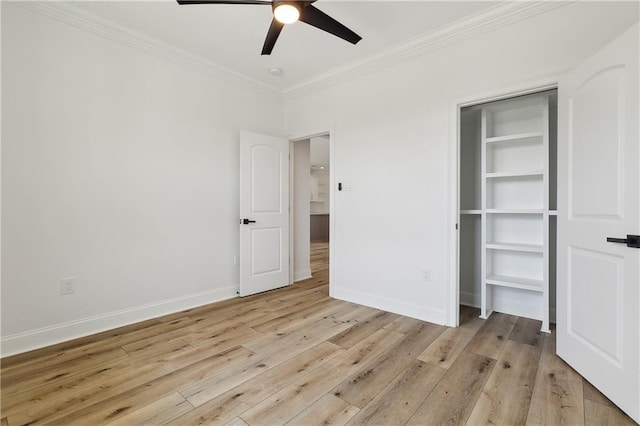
{"points": [[232, 36]]}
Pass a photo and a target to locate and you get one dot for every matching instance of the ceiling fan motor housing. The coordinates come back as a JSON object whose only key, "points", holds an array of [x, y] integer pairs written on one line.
{"points": [[277, 3]]}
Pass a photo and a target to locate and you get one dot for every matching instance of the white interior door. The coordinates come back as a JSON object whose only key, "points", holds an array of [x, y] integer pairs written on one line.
{"points": [[264, 213], [599, 197]]}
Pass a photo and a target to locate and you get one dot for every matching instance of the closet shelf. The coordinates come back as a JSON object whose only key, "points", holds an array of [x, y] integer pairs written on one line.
{"points": [[515, 282], [534, 173], [514, 138], [514, 211], [470, 211], [531, 248]]}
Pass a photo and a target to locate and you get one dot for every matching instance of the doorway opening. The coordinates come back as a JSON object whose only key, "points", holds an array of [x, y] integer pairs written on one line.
{"points": [[310, 209]]}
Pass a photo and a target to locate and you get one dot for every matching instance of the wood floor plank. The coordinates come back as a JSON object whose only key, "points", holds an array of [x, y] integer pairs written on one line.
{"points": [[162, 332], [455, 396], [205, 390], [604, 415], [507, 394], [395, 404], [23, 381], [593, 394], [342, 311], [221, 340], [328, 410], [61, 404], [402, 324], [233, 318], [159, 349], [126, 402], [36, 399], [557, 395], [64, 394], [360, 331], [296, 340], [109, 378], [493, 335], [236, 422], [206, 331], [361, 387], [287, 403], [308, 312], [527, 331], [447, 347], [237, 400], [157, 413], [140, 346]]}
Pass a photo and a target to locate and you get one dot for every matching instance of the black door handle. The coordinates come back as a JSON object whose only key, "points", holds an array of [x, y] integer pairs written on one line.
{"points": [[247, 221], [631, 241]]}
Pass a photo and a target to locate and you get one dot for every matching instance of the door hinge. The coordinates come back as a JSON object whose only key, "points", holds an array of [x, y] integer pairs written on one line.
{"points": [[456, 226]]}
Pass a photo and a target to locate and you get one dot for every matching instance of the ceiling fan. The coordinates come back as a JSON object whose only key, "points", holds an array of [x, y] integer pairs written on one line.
{"points": [[288, 12]]}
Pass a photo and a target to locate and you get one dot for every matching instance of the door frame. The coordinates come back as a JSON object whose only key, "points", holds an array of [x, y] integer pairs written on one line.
{"points": [[292, 141], [538, 85]]}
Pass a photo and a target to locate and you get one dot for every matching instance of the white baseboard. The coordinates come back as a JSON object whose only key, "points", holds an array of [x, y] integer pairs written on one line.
{"points": [[301, 275], [509, 306], [46, 336], [397, 307], [513, 307]]}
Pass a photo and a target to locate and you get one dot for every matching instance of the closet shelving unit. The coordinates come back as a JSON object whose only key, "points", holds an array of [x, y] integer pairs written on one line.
{"points": [[514, 211]]}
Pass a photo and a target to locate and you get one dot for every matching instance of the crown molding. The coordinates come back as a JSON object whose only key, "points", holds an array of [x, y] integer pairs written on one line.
{"points": [[63, 12], [506, 13], [496, 17]]}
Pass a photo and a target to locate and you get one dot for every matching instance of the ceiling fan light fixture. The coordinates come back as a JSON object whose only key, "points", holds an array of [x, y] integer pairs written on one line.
{"points": [[286, 13]]}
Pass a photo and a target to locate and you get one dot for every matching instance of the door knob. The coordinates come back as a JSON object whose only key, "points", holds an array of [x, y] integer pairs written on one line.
{"points": [[631, 240], [247, 221]]}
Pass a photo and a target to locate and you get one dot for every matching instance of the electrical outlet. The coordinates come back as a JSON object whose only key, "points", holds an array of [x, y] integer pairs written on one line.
{"points": [[68, 285], [426, 275]]}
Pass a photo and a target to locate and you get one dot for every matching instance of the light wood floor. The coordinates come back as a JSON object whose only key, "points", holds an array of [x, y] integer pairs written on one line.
{"points": [[296, 356]]}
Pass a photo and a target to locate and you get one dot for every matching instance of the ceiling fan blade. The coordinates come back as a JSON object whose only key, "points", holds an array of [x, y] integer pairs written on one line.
{"points": [[267, 2], [317, 18], [272, 36]]}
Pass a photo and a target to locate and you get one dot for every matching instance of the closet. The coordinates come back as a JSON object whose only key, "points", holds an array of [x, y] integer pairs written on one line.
{"points": [[507, 202]]}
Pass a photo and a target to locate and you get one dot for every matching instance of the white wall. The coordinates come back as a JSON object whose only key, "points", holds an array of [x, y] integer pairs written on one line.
{"points": [[119, 169], [301, 208], [320, 175], [320, 151], [392, 141]]}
